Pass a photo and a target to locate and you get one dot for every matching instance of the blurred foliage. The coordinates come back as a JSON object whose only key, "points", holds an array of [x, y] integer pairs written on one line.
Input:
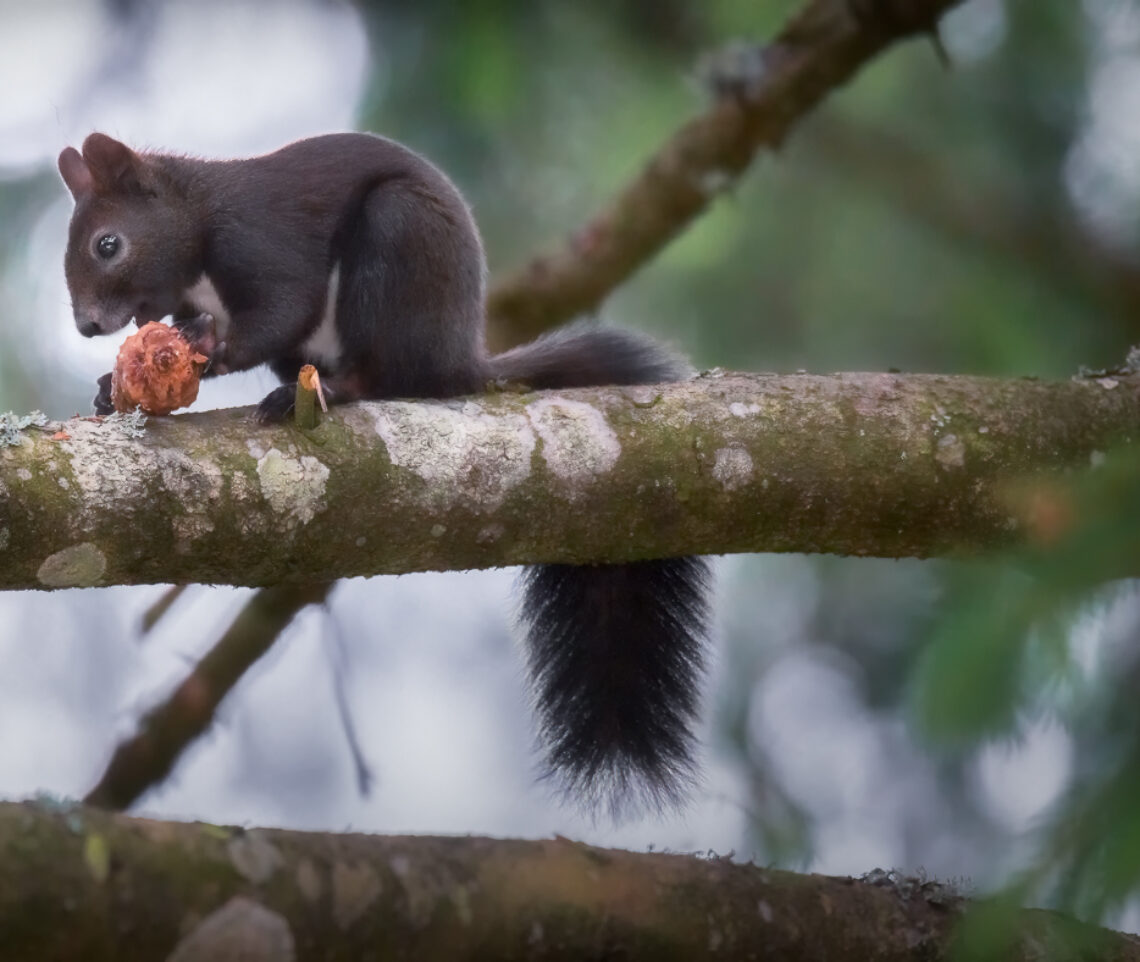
{"points": [[923, 219], [1009, 647]]}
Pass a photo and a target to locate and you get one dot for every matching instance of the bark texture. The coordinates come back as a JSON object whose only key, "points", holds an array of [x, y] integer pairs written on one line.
{"points": [[865, 464], [80, 884]]}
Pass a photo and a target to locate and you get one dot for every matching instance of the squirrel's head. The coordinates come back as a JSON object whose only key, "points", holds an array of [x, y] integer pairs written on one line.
{"points": [[134, 244]]}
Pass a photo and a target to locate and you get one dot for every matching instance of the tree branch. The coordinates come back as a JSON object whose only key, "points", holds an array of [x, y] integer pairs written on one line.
{"points": [[869, 464], [79, 884], [764, 93], [148, 756]]}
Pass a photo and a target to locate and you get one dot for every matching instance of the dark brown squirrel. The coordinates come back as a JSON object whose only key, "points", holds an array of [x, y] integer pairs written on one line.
{"points": [[352, 252]]}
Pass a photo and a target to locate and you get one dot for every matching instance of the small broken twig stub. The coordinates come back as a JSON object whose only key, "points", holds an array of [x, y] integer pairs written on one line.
{"points": [[309, 392]]}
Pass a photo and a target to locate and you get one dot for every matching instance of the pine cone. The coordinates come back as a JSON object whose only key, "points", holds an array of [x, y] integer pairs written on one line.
{"points": [[156, 370]]}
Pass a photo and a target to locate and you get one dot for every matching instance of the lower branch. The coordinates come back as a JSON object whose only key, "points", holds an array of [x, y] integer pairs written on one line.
{"points": [[79, 884]]}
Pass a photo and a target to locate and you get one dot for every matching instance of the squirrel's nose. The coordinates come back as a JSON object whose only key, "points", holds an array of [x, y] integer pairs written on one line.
{"points": [[88, 328]]}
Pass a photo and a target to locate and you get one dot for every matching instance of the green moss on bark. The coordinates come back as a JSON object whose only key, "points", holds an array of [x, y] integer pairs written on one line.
{"points": [[868, 464]]}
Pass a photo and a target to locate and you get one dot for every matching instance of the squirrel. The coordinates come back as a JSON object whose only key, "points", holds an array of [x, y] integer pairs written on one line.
{"points": [[354, 253]]}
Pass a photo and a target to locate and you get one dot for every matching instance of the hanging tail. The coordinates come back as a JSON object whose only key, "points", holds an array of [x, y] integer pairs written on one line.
{"points": [[615, 651]]}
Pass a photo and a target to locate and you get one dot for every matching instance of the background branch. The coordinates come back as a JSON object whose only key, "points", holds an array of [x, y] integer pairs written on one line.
{"points": [[764, 92], [76, 883], [165, 731]]}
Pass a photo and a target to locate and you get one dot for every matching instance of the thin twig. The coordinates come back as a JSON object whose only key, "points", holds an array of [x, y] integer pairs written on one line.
{"points": [[338, 655], [156, 612]]}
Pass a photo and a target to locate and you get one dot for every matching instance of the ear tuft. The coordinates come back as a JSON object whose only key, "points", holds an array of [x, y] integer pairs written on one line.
{"points": [[114, 167], [75, 173]]}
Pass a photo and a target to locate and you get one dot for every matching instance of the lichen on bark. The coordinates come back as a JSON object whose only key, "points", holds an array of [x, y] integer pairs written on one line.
{"points": [[868, 464]]}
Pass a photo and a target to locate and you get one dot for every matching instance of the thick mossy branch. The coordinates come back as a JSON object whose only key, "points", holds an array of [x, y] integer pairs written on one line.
{"points": [[762, 94], [80, 884], [866, 464]]}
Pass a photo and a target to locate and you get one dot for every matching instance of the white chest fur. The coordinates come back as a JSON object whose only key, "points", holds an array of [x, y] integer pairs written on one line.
{"points": [[323, 345], [206, 300]]}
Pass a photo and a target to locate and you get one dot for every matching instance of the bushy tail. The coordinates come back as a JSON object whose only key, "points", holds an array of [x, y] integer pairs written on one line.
{"points": [[615, 655], [584, 355], [615, 652]]}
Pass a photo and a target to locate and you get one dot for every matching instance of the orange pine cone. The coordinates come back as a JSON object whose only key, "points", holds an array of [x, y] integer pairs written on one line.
{"points": [[156, 370]]}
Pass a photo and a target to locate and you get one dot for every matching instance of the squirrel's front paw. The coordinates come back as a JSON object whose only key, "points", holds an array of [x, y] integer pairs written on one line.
{"points": [[201, 332], [103, 403], [277, 404]]}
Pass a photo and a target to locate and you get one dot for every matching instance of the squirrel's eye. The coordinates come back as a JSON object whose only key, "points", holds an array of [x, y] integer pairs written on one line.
{"points": [[107, 246]]}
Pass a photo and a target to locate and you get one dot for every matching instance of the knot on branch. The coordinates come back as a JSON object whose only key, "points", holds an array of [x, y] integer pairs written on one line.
{"points": [[736, 71]]}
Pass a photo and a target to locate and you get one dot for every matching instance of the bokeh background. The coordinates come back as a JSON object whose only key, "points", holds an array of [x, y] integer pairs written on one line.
{"points": [[977, 220]]}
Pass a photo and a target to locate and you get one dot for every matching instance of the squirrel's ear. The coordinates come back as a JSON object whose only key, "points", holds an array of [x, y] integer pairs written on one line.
{"points": [[75, 172], [113, 166]]}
